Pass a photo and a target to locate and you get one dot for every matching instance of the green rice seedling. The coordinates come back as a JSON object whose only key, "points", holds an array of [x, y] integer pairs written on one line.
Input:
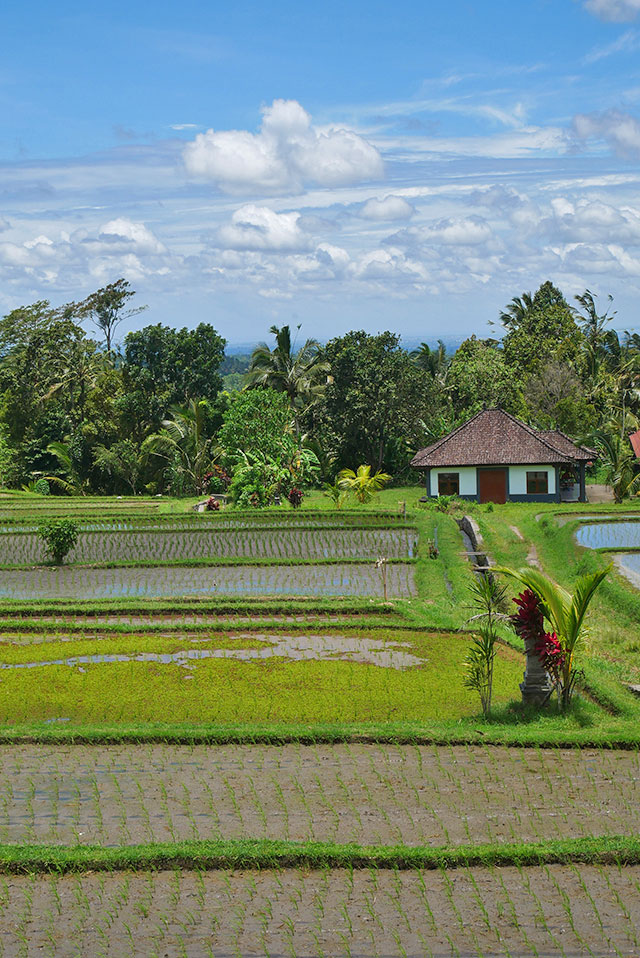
{"points": [[623, 907], [401, 949], [319, 951], [258, 803]]}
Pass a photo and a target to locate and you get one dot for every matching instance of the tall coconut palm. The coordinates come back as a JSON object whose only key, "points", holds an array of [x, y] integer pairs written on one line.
{"points": [[301, 375], [434, 361], [594, 328], [513, 314]]}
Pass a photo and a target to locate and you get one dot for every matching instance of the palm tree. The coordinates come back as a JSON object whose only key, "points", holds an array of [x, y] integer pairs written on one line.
{"points": [[183, 441], [362, 484], [434, 361], [564, 612], [512, 316], [298, 374], [77, 377], [70, 483], [593, 327], [619, 461]]}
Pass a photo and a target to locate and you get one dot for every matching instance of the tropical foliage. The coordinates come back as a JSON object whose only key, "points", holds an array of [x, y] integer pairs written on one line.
{"points": [[362, 483], [59, 536], [545, 601], [151, 414]]}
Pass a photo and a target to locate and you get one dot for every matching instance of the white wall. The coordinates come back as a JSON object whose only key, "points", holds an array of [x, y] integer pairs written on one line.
{"points": [[468, 480], [518, 478]]}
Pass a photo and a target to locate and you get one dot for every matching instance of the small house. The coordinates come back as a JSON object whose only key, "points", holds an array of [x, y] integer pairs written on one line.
{"points": [[495, 457]]}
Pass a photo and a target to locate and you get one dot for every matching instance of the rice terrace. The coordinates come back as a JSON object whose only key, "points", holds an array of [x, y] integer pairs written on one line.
{"points": [[248, 732]]}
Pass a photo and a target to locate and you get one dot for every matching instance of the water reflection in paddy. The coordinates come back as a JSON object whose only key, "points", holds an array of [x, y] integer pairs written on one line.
{"points": [[610, 535], [87, 582]]}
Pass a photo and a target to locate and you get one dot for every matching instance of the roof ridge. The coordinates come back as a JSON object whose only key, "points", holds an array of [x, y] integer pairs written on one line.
{"points": [[450, 435], [537, 434], [573, 442], [533, 445]]}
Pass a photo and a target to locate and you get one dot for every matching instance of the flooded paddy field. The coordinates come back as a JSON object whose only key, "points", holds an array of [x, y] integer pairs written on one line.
{"points": [[622, 534], [367, 794], [86, 582], [479, 912], [169, 668], [171, 544]]}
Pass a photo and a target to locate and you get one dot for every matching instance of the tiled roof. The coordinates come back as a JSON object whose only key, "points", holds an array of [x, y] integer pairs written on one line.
{"points": [[634, 439], [495, 438], [568, 446]]}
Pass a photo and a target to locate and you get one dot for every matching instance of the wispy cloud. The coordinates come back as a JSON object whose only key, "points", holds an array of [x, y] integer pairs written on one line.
{"points": [[626, 43], [620, 131], [617, 11]]}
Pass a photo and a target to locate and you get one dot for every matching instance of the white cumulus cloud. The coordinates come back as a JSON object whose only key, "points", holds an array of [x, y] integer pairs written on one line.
{"points": [[590, 221], [286, 154], [261, 228], [390, 208], [136, 236], [620, 130], [617, 11]]}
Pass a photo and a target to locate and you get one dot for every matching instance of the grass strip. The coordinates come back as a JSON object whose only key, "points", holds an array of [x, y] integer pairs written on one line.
{"points": [[552, 733], [254, 606], [264, 853]]}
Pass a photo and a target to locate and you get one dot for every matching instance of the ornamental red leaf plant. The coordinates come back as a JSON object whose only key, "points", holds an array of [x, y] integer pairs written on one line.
{"points": [[544, 600]]}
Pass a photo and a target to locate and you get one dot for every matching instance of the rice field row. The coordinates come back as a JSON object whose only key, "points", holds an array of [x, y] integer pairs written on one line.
{"points": [[87, 583], [367, 794], [174, 545], [227, 519], [552, 910]]}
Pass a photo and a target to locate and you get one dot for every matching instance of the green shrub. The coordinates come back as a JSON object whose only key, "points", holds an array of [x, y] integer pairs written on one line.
{"points": [[59, 537], [42, 487]]}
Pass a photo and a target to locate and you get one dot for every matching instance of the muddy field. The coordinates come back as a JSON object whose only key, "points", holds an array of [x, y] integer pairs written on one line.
{"points": [[553, 910], [368, 794]]}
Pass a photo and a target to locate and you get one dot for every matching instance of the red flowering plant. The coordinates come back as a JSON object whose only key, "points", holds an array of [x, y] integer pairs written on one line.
{"points": [[542, 599], [552, 656], [295, 497], [528, 623]]}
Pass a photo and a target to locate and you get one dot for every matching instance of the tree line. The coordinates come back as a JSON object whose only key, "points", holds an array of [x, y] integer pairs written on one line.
{"points": [[79, 415]]}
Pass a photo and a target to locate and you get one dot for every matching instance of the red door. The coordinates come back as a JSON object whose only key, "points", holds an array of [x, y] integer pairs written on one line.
{"points": [[492, 485]]}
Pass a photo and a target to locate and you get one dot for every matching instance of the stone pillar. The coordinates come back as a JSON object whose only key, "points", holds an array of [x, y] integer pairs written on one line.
{"points": [[583, 484], [536, 687]]}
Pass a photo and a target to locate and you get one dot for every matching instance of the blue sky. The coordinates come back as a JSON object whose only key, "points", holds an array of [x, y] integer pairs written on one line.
{"points": [[410, 166]]}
